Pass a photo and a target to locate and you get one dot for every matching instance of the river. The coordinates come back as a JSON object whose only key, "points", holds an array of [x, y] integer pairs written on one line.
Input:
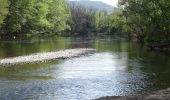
{"points": [[118, 68]]}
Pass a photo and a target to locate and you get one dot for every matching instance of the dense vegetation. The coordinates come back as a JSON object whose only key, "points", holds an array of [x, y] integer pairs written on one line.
{"points": [[50, 17], [32, 17], [146, 20], [3, 10], [86, 21]]}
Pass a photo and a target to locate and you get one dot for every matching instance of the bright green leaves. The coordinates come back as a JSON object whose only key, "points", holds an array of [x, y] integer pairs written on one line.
{"points": [[20, 11], [3, 10], [38, 16], [58, 15]]}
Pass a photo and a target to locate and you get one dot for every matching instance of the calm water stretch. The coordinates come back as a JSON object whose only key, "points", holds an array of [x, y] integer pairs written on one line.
{"points": [[118, 68]]}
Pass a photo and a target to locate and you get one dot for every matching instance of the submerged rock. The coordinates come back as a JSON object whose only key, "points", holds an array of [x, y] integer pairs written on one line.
{"points": [[158, 95], [45, 57]]}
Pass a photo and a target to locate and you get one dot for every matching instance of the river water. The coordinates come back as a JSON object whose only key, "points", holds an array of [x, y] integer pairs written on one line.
{"points": [[118, 68]]}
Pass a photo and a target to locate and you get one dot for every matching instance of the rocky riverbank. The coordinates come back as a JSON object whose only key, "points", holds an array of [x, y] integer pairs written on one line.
{"points": [[158, 95], [45, 57]]}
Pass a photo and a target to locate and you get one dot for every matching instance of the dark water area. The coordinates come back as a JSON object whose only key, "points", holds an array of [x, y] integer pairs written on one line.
{"points": [[118, 68]]}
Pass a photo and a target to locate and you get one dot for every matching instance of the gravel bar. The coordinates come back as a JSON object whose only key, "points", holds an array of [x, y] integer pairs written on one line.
{"points": [[45, 57]]}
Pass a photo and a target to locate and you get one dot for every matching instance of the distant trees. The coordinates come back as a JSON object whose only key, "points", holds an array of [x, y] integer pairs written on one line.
{"points": [[147, 20], [85, 21], [50, 17], [81, 19], [118, 22], [101, 21]]}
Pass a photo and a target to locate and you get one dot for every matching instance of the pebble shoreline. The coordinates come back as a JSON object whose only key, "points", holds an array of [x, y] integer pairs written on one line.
{"points": [[45, 57]]}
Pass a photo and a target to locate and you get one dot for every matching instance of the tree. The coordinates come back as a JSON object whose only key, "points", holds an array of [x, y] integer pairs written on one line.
{"points": [[148, 19], [81, 19], [19, 13], [58, 15], [34, 17], [39, 22], [3, 10]]}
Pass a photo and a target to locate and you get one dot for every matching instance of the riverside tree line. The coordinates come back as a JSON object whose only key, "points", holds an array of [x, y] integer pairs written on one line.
{"points": [[33, 17], [146, 20]]}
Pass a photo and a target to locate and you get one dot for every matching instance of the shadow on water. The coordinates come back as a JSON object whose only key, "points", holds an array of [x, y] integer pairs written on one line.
{"points": [[117, 68], [27, 72]]}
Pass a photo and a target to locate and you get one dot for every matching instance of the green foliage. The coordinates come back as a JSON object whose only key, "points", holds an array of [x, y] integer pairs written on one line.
{"points": [[36, 17], [85, 21], [58, 15], [20, 11], [101, 21], [118, 22], [41, 12], [3, 10], [81, 19], [109, 23], [147, 19]]}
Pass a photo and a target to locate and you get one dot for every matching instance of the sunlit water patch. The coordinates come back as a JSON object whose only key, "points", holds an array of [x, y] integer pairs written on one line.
{"points": [[84, 78], [118, 68]]}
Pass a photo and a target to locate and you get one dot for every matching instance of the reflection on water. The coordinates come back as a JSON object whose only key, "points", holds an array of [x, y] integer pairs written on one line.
{"points": [[92, 66], [118, 68]]}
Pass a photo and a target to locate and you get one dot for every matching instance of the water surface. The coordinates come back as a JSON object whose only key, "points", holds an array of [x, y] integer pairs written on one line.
{"points": [[117, 68]]}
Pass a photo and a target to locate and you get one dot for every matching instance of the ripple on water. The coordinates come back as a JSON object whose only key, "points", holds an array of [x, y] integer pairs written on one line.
{"points": [[88, 77]]}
